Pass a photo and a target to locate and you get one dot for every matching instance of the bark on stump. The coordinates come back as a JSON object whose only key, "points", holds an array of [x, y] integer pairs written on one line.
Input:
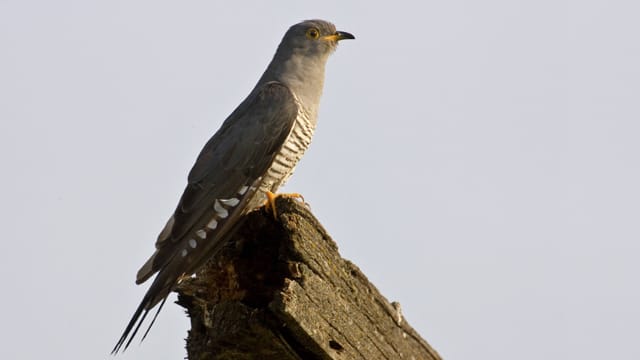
{"points": [[280, 290]]}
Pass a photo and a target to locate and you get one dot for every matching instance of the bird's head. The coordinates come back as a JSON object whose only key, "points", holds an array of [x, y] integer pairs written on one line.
{"points": [[315, 38], [300, 59]]}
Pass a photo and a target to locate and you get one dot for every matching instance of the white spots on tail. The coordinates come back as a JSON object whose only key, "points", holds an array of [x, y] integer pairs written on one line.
{"points": [[230, 202], [220, 206], [213, 224], [220, 210]]}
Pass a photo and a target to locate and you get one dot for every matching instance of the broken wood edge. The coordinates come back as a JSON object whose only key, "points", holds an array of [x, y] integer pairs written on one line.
{"points": [[280, 290]]}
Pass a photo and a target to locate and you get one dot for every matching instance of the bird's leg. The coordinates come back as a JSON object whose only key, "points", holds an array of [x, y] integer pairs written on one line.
{"points": [[271, 201]]}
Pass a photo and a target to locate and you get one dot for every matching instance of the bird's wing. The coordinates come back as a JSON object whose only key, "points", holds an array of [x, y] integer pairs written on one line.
{"points": [[221, 182], [235, 157]]}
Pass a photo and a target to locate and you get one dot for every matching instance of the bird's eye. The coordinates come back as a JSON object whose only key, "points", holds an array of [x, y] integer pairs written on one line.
{"points": [[313, 33]]}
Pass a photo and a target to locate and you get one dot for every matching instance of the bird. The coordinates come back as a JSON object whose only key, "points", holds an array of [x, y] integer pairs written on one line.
{"points": [[242, 165]]}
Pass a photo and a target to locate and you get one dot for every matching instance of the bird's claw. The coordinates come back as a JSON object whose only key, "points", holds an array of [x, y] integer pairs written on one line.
{"points": [[271, 201]]}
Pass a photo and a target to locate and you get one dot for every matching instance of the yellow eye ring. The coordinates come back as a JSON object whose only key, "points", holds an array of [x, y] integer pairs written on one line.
{"points": [[313, 33]]}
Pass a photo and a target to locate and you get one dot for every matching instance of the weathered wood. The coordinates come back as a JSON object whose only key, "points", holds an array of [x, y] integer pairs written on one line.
{"points": [[280, 290]]}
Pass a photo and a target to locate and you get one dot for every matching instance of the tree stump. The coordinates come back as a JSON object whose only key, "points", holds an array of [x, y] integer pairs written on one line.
{"points": [[280, 290]]}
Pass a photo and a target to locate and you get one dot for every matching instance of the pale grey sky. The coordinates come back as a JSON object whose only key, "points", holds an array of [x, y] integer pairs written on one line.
{"points": [[479, 161]]}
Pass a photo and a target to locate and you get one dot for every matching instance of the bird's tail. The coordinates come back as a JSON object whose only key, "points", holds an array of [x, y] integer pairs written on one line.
{"points": [[157, 293]]}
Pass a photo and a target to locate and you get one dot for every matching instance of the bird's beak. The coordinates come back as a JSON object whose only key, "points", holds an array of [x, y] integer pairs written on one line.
{"points": [[339, 35]]}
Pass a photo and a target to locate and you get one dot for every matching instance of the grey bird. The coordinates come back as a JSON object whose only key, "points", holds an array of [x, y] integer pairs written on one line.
{"points": [[248, 158]]}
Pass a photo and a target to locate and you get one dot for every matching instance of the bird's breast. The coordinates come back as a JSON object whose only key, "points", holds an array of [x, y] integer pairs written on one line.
{"points": [[291, 151]]}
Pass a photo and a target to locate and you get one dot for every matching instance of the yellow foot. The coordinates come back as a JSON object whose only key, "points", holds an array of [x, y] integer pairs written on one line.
{"points": [[271, 201]]}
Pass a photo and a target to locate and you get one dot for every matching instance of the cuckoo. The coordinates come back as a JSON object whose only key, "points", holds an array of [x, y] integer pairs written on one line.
{"points": [[243, 164]]}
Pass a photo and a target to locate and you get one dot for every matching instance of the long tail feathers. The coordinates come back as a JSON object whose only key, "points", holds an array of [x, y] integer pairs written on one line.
{"points": [[132, 323], [154, 319], [137, 319]]}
